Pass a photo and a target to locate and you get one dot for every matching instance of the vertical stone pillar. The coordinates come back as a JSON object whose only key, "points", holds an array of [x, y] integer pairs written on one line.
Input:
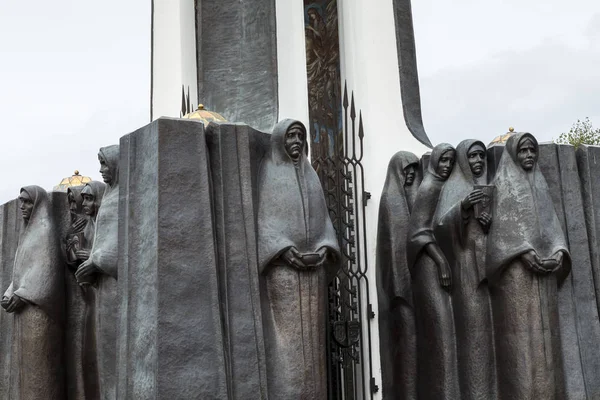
{"points": [[580, 327], [237, 60], [10, 226], [235, 155], [170, 333], [588, 163]]}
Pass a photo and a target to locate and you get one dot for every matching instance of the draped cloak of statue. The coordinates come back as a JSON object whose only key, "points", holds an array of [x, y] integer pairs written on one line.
{"points": [[524, 303], [463, 242], [436, 337], [38, 278], [397, 336], [292, 213], [80, 347], [104, 256]]}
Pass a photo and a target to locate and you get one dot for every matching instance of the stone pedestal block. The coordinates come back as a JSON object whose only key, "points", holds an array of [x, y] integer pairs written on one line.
{"points": [[10, 226], [580, 328], [170, 333], [235, 155]]}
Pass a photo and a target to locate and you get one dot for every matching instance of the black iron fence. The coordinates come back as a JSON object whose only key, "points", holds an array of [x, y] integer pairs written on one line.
{"points": [[349, 335]]}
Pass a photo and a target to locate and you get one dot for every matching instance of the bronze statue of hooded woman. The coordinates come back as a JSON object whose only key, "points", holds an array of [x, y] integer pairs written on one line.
{"points": [[527, 258], [397, 336], [101, 269], [297, 251], [80, 335], [437, 376], [36, 297], [461, 232]]}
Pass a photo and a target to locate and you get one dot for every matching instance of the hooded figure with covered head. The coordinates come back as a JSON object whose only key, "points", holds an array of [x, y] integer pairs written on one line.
{"points": [[527, 257], [82, 375], [36, 297], [461, 233], [297, 251], [397, 334], [100, 269], [432, 279]]}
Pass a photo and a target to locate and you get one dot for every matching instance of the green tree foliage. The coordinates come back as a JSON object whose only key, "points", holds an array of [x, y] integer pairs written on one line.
{"points": [[581, 132]]}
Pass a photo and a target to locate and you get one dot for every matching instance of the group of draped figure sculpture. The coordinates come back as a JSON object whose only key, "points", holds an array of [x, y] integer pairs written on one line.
{"points": [[64, 295], [468, 271], [63, 292]]}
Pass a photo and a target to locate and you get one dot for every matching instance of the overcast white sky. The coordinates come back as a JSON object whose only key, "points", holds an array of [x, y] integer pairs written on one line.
{"points": [[487, 65], [75, 76]]}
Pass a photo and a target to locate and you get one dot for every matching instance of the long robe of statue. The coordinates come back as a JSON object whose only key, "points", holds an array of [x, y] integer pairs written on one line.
{"points": [[297, 246], [461, 229], [527, 257], [36, 297], [100, 269], [431, 278], [394, 293], [80, 333]]}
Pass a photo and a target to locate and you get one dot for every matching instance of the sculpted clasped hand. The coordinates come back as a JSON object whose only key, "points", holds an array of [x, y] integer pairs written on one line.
{"points": [[297, 260], [14, 304], [485, 220], [85, 272], [472, 198]]}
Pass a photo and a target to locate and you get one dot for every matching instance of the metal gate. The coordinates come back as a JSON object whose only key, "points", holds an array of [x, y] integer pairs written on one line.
{"points": [[349, 334]]}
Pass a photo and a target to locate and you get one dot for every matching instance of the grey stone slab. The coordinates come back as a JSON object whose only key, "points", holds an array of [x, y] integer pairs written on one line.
{"points": [[235, 153], [170, 337], [10, 226], [237, 60], [583, 280], [573, 363], [494, 153], [588, 163]]}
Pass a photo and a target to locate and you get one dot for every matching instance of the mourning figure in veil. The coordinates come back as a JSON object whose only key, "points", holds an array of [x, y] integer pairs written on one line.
{"points": [[36, 297], [297, 251], [80, 348], [430, 271], [527, 258], [100, 269], [397, 336], [463, 218]]}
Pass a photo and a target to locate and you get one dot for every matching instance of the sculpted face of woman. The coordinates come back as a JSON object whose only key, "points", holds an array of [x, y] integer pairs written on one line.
{"points": [[294, 142], [476, 157], [527, 154], [26, 205], [446, 163], [105, 170], [89, 202], [410, 172], [72, 203]]}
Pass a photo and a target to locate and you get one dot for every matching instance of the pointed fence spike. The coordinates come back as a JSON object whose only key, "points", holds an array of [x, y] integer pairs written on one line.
{"points": [[345, 101], [352, 109], [183, 100], [189, 109], [361, 132]]}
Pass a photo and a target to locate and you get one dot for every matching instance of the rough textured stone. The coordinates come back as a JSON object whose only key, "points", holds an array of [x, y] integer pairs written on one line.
{"points": [[580, 328], [588, 163], [10, 225], [237, 60], [235, 154], [170, 336]]}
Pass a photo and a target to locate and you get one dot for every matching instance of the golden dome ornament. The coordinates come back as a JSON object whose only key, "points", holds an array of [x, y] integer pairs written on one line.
{"points": [[75, 180], [204, 115], [501, 139]]}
